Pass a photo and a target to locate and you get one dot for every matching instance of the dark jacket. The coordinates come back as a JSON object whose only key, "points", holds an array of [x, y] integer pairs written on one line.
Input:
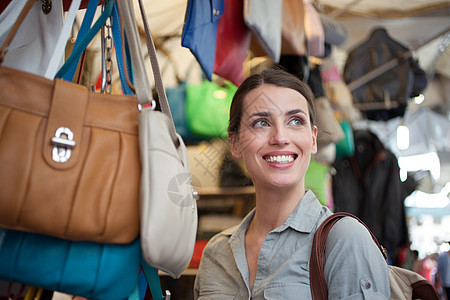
{"points": [[405, 80], [368, 185]]}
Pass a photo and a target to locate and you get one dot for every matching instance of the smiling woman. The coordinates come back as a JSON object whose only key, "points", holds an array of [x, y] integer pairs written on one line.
{"points": [[267, 255], [275, 137]]}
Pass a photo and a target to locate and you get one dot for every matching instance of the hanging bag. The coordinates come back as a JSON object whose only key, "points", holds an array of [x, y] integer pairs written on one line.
{"points": [[176, 96], [168, 208], [208, 108], [263, 18], [293, 28], [200, 31], [232, 43], [314, 32], [88, 269], [74, 172]]}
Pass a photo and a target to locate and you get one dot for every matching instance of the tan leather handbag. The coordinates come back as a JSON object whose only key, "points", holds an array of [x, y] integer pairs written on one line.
{"points": [[293, 28], [69, 158]]}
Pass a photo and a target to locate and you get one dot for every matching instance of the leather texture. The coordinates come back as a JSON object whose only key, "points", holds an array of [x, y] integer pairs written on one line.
{"points": [[314, 32], [232, 43], [168, 206], [404, 284], [386, 95], [330, 131], [263, 18], [208, 108], [293, 28], [91, 197], [200, 31], [87, 269]]}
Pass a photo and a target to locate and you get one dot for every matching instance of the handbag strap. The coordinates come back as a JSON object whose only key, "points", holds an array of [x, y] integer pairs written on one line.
{"points": [[142, 85], [58, 50], [26, 9], [317, 259], [120, 53], [154, 283], [78, 50], [84, 28]]}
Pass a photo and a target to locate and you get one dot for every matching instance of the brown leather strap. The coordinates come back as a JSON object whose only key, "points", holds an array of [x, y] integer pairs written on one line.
{"points": [[26, 9], [318, 285]]}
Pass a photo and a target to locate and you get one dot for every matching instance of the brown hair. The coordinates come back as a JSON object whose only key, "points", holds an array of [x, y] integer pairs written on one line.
{"points": [[276, 77]]}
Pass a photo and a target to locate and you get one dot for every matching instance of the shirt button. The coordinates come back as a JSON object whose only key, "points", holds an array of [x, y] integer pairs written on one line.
{"points": [[367, 285]]}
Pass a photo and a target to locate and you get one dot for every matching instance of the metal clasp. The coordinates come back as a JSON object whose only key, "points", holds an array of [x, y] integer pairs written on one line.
{"points": [[152, 105], [63, 143]]}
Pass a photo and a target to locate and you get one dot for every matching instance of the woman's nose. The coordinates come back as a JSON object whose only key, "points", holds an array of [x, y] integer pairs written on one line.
{"points": [[279, 135]]}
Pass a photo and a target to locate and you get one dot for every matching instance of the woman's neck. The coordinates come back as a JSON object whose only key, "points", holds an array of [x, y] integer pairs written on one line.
{"points": [[273, 207]]}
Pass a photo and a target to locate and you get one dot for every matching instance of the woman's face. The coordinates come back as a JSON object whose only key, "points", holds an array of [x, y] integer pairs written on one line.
{"points": [[276, 138]]}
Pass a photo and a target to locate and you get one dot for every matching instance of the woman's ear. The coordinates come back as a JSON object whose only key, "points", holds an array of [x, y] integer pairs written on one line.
{"points": [[234, 145], [314, 140]]}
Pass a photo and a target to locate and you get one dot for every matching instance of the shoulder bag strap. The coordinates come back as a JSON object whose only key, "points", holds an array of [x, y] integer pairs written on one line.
{"points": [[58, 50], [142, 84], [317, 260], [26, 9], [78, 50], [84, 28], [144, 96]]}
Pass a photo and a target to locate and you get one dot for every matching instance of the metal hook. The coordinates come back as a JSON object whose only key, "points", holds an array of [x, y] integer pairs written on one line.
{"points": [[46, 6]]}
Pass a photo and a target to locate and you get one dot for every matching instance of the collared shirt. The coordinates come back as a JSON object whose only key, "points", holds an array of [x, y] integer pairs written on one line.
{"points": [[354, 268]]}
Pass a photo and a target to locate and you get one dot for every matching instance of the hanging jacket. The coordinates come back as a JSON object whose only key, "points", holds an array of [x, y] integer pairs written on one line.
{"points": [[386, 96], [368, 185]]}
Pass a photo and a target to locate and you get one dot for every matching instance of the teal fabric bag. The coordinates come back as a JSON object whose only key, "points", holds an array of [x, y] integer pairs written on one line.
{"points": [[346, 146], [87, 269], [176, 96]]}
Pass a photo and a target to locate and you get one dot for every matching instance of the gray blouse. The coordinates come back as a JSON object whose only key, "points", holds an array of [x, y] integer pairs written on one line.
{"points": [[354, 268]]}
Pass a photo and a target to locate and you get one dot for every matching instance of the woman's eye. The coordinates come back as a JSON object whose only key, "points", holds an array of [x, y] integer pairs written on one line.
{"points": [[296, 122], [260, 123]]}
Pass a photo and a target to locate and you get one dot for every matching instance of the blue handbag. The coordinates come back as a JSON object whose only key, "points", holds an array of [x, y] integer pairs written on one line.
{"points": [[176, 96], [200, 31], [87, 269]]}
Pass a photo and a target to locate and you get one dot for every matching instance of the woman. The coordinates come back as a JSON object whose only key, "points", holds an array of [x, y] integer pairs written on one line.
{"points": [[267, 256]]}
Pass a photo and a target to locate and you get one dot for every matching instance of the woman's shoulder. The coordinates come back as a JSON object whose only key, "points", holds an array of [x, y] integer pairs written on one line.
{"points": [[349, 231], [349, 227], [219, 240]]}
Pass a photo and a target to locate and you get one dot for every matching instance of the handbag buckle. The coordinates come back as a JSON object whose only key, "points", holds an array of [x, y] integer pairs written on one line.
{"points": [[62, 144]]}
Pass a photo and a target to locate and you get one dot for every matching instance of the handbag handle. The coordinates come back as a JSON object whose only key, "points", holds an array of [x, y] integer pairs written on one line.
{"points": [[12, 33], [85, 25], [78, 50], [58, 50], [317, 259], [142, 85]]}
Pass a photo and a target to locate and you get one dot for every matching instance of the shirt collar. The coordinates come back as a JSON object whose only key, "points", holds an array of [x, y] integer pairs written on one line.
{"points": [[304, 216], [302, 219]]}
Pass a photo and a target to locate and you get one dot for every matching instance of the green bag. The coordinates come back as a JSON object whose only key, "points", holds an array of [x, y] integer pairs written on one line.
{"points": [[208, 108]]}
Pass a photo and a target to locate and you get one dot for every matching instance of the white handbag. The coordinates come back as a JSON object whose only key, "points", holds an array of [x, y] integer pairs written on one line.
{"points": [[168, 207]]}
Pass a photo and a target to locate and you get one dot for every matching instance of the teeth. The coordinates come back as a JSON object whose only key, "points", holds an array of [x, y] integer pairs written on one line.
{"points": [[283, 159]]}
